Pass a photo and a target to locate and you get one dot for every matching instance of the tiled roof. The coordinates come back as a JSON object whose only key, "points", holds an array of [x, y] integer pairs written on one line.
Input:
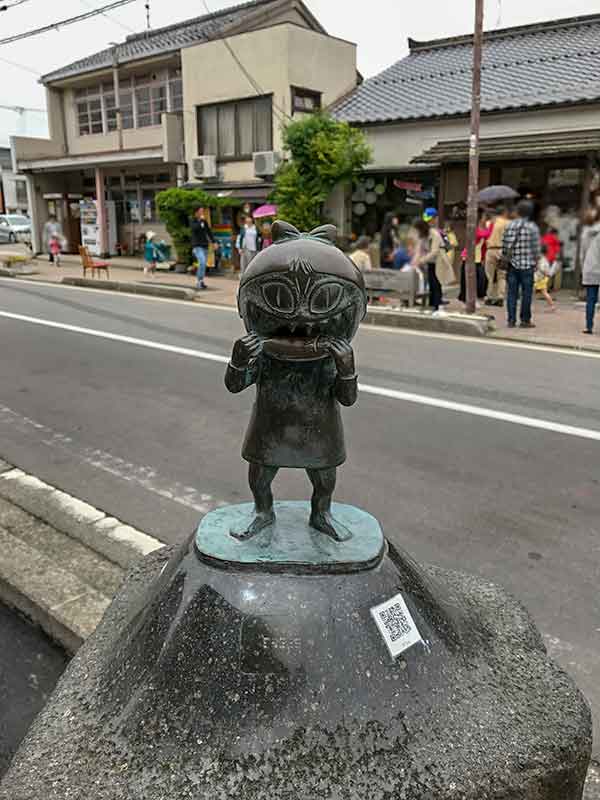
{"points": [[162, 40], [529, 146], [529, 66]]}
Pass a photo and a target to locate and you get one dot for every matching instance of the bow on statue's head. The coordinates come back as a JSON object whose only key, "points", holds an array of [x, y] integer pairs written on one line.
{"points": [[284, 232]]}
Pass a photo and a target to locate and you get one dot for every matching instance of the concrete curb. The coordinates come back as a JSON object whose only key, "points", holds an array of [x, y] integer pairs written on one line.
{"points": [[15, 272], [106, 535], [542, 341], [449, 323], [172, 292], [67, 609]]}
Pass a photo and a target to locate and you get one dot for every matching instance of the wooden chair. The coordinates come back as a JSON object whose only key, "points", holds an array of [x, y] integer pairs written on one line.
{"points": [[87, 262]]}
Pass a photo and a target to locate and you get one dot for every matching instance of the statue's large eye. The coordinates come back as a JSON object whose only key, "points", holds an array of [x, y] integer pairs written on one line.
{"points": [[279, 296], [325, 298]]}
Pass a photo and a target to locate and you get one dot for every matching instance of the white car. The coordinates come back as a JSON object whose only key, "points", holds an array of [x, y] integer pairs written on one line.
{"points": [[14, 228]]}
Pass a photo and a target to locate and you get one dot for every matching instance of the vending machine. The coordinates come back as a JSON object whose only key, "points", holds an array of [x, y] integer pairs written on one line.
{"points": [[90, 230]]}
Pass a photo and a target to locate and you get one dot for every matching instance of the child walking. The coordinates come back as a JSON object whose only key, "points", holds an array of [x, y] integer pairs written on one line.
{"points": [[55, 245], [150, 254], [543, 273]]}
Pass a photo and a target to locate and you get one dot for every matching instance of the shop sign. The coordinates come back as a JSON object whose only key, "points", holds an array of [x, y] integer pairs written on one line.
{"points": [[408, 186]]}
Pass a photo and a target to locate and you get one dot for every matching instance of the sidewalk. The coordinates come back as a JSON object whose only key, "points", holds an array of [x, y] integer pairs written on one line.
{"points": [[562, 328], [221, 288]]}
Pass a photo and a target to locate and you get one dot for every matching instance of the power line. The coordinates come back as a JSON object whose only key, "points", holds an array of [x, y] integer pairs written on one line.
{"points": [[7, 7], [280, 113], [110, 18], [21, 109], [21, 66], [70, 21]]}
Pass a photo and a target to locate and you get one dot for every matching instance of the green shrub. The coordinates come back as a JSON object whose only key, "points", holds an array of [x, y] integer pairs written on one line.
{"points": [[176, 208], [323, 152]]}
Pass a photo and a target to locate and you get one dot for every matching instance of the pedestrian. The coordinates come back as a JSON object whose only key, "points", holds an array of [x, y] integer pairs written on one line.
{"points": [[496, 278], [542, 278], [267, 241], [551, 241], [482, 234], [150, 254], [202, 235], [360, 254], [521, 248], [590, 254], [250, 242], [55, 247], [388, 241], [430, 247], [51, 228]]}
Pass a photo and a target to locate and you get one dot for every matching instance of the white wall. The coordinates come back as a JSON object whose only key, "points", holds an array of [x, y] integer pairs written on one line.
{"points": [[395, 145]]}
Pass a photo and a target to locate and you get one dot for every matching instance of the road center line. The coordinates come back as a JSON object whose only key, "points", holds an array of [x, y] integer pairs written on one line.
{"points": [[380, 391]]}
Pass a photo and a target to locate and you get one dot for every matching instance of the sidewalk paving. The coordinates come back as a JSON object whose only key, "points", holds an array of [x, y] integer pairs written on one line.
{"points": [[562, 328], [221, 290]]}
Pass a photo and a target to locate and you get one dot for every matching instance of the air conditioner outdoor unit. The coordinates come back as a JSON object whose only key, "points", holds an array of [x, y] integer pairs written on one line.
{"points": [[266, 163], [205, 167]]}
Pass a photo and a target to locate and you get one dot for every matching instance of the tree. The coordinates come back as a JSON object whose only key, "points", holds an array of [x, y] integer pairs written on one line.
{"points": [[176, 208], [323, 152]]}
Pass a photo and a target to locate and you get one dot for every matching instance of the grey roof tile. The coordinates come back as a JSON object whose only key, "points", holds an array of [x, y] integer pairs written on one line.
{"points": [[162, 40], [530, 66]]}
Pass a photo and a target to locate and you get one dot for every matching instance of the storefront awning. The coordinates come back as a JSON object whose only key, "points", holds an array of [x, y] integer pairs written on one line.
{"points": [[531, 146], [248, 192]]}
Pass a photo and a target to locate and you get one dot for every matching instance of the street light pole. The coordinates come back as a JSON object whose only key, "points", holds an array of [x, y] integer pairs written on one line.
{"points": [[470, 272]]}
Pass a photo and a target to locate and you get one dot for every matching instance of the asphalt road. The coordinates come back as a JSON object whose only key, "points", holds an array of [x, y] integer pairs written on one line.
{"points": [[152, 436], [30, 665]]}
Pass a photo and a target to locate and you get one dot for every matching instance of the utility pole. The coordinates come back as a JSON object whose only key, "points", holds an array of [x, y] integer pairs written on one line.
{"points": [[470, 272], [117, 93]]}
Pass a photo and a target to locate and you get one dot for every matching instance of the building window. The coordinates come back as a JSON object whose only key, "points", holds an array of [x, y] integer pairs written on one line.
{"points": [[175, 90], [89, 110], [305, 100], [235, 130], [143, 99]]}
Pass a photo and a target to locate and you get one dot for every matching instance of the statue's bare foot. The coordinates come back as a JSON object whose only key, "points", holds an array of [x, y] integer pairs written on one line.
{"points": [[324, 522], [261, 521]]}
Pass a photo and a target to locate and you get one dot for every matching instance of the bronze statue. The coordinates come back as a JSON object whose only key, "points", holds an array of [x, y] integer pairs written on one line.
{"points": [[301, 301]]}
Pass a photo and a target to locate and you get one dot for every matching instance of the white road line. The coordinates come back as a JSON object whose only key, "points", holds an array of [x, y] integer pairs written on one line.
{"points": [[380, 391], [118, 337], [144, 476], [566, 350], [477, 411]]}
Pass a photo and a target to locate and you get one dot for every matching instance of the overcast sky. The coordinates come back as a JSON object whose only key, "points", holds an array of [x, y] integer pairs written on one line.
{"points": [[381, 34]]}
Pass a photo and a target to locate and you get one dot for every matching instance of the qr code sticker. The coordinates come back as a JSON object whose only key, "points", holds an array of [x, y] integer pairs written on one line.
{"points": [[395, 622], [396, 625]]}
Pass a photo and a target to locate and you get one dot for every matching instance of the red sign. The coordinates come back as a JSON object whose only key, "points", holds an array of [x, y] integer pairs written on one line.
{"points": [[408, 186]]}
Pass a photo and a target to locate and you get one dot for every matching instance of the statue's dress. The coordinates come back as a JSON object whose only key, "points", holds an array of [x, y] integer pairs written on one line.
{"points": [[296, 420]]}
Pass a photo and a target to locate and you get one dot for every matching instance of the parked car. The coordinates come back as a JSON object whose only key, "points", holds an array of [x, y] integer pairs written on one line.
{"points": [[14, 228]]}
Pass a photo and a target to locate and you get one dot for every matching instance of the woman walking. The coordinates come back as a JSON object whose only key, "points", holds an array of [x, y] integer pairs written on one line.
{"points": [[430, 247], [590, 246]]}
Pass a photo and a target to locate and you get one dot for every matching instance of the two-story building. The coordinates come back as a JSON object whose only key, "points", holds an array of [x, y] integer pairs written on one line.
{"points": [[202, 101]]}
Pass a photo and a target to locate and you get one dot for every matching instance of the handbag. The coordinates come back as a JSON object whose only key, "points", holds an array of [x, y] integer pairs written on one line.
{"points": [[444, 269], [505, 261]]}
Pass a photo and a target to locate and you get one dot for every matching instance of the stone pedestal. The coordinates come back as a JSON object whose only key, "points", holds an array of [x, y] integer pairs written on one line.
{"points": [[212, 678]]}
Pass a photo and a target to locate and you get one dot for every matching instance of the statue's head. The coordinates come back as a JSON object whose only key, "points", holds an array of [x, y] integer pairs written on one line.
{"points": [[302, 286]]}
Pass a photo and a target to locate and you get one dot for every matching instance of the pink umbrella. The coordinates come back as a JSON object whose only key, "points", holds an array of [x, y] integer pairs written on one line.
{"points": [[265, 211]]}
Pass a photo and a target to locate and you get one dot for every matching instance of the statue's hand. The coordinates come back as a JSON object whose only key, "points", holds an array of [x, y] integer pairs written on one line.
{"points": [[246, 350], [343, 355]]}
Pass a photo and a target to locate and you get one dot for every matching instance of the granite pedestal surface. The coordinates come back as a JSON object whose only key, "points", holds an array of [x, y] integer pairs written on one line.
{"points": [[212, 677]]}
